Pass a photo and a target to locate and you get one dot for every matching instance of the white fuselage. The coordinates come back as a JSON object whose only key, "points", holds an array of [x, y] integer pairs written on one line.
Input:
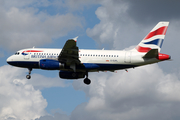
{"points": [[105, 59]]}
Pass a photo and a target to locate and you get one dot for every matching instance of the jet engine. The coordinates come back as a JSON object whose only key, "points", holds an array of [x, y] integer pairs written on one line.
{"points": [[49, 64], [71, 75]]}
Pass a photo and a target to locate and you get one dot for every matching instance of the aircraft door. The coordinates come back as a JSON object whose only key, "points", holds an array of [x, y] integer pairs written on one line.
{"points": [[127, 57], [26, 57]]}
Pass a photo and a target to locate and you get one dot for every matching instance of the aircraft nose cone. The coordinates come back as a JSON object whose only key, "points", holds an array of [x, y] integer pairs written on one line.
{"points": [[9, 60]]}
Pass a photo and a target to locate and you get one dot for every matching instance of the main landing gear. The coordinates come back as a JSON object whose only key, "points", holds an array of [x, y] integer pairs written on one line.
{"points": [[87, 81], [29, 75]]}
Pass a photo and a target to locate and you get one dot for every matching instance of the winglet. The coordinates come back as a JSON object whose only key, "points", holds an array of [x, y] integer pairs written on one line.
{"points": [[75, 39]]}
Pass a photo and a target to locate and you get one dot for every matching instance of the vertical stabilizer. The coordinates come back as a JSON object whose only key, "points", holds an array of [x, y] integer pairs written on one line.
{"points": [[154, 39]]}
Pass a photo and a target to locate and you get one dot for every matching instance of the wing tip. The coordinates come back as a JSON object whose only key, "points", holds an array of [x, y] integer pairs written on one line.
{"points": [[75, 39]]}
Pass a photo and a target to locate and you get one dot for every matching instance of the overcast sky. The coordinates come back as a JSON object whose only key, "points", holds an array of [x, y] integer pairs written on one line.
{"points": [[150, 92]]}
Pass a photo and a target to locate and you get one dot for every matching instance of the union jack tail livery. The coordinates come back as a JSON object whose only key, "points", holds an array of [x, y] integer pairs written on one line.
{"points": [[154, 39]]}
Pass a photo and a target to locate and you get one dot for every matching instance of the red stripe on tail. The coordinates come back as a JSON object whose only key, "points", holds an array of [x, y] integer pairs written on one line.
{"points": [[142, 49], [160, 31]]}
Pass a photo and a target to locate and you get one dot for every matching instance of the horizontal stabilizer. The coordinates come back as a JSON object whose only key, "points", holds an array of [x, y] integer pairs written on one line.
{"points": [[153, 53]]}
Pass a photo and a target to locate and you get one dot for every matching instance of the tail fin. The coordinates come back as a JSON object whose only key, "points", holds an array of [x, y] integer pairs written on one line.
{"points": [[154, 39]]}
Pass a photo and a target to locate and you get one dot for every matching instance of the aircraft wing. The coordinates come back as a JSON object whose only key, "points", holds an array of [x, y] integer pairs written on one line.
{"points": [[70, 53]]}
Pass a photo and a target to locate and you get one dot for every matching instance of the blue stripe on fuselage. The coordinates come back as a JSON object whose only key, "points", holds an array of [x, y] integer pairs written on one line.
{"points": [[98, 66], [85, 66]]}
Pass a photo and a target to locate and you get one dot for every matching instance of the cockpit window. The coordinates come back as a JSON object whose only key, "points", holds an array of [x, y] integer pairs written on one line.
{"points": [[17, 53]]}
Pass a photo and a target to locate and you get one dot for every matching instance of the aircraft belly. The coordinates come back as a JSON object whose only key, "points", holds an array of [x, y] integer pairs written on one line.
{"points": [[25, 64], [115, 66]]}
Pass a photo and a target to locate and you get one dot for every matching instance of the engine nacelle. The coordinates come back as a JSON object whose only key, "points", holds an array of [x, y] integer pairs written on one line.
{"points": [[49, 64], [71, 75]]}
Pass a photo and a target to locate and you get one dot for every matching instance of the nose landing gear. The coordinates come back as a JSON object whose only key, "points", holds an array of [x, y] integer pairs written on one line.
{"points": [[87, 81], [29, 75]]}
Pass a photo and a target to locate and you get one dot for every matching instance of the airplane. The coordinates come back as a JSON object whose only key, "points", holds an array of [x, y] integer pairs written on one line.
{"points": [[75, 63]]}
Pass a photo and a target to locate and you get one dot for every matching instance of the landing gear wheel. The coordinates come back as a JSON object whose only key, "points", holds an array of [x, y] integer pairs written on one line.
{"points": [[28, 76], [87, 81]]}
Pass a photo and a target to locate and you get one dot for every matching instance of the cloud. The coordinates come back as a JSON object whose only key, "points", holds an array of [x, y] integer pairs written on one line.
{"points": [[57, 116], [143, 93], [27, 26], [124, 23], [21, 3], [116, 28], [41, 82], [153, 11], [75, 5], [19, 100]]}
